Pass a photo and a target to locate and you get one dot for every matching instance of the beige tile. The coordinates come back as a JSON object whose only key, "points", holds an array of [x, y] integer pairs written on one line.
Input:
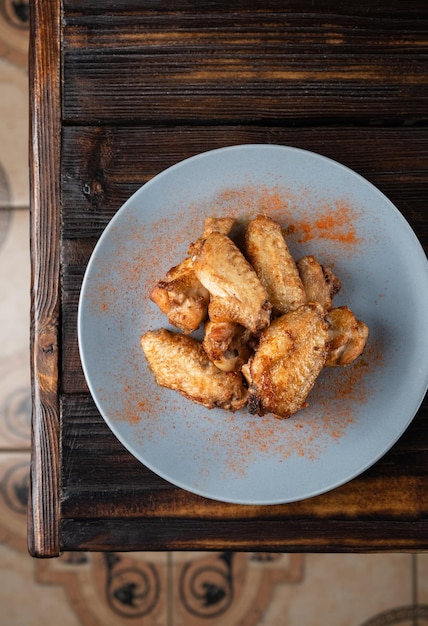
{"points": [[422, 578], [14, 331], [343, 590], [170, 589], [237, 590], [15, 285], [112, 589], [14, 30], [14, 130], [25, 602], [14, 481], [15, 402], [228, 588], [190, 589]]}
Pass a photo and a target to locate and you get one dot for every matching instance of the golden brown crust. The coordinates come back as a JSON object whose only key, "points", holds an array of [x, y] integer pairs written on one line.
{"points": [[227, 345], [218, 225], [333, 281], [182, 297], [212, 225], [319, 282], [237, 294], [290, 355], [268, 253], [178, 362], [347, 337]]}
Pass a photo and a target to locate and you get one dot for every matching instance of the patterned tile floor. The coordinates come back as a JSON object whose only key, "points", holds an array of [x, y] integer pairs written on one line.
{"points": [[160, 589]]}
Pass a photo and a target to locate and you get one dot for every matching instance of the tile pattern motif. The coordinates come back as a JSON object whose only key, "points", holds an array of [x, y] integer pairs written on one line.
{"points": [[149, 589], [14, 18], [14, 22]]}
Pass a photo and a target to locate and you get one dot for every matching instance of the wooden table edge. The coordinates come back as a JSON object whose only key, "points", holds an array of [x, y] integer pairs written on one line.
{"points": [[44, 162], [119, 535]]}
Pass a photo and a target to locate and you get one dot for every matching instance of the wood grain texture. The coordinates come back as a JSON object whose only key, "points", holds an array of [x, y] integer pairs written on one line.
{"points": [[43, 521], [130, 506], [277, 536], [257, 64], [122, 487], [142, 87], [103, 165], [321, 8]]}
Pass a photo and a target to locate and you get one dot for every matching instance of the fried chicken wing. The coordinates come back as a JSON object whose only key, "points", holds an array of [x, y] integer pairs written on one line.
{"points": [[212, 225], [320, 284], [237, 294], [268, 253], [227, 345], [182, 297], [180, 363], [218, 225], [290, 355], [347, 337]]}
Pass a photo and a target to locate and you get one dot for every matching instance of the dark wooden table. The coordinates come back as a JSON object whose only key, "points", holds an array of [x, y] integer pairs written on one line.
{"points": [[122, 90]]}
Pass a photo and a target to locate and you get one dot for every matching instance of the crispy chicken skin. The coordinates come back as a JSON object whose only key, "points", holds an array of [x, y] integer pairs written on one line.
{"points": [[218, 224], [347, 337], [320, 284], [212, 225], [268, 253], [290, 355], [237, 294], [179, 362], [181, 297], [227, 345]]}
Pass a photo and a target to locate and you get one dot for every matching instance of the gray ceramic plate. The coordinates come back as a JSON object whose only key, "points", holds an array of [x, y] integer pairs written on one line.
{"points": [[354, 415]]}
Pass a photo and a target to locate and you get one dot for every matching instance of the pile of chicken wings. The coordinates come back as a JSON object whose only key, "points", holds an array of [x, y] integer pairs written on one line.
{"points": [[269, 322]]}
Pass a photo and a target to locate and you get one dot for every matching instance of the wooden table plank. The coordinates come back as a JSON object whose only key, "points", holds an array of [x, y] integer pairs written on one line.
{"points": [[103, 166], [129, 505], [257, 64], [92, 456], [43, 521], [321, 8], [282, 536]]}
